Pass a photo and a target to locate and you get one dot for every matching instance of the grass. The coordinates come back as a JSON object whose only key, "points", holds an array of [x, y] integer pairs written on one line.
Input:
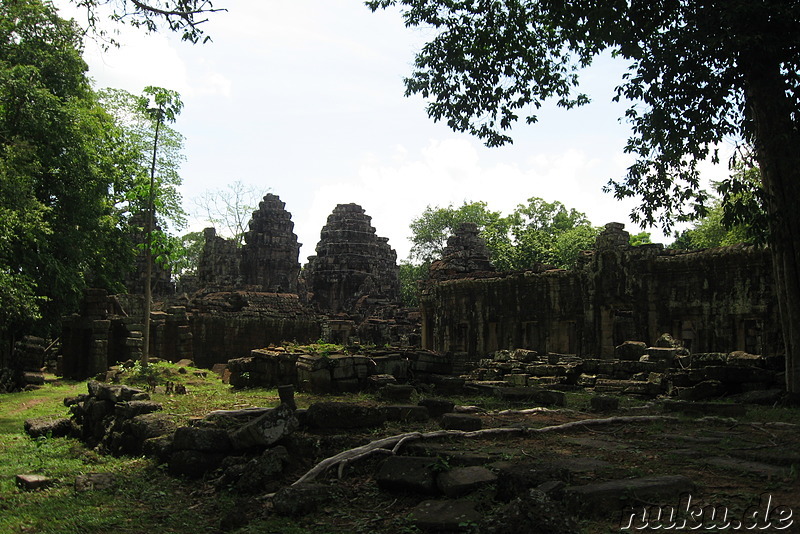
{"points": [[145, 499]]}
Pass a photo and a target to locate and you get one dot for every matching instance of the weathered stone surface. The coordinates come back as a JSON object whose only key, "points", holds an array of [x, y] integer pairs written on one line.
{"points": [[201, 439], [266, 429], [129, 410], [194, 463], [270, 252], [602, 498], [630, 350], [463, 480], [707, 389], [151, 425], [603, 403], [466, 252], [325, 415], [748, 466], [301, 499], [407, 473], [450, 515], [397, 392], [516, 479], [437, 407], [455, 421], [219, 262], [33, 482], [705, 408], [533, 511], [95, 481], [543, 397], [351, 262], [418, 414], [48, 427]]}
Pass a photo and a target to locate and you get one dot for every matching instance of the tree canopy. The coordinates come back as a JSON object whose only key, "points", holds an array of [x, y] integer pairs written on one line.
{"points": [[58, 161], [700, 73], [181, 16]]}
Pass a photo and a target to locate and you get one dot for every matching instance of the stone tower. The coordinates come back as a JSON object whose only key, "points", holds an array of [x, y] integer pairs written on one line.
{"points": [[351, 262], [271, 251], [466, 252], [219, 261]]}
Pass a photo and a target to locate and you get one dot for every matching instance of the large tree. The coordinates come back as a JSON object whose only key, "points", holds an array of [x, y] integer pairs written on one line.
{"points": [[700, 72], [59, 158]]}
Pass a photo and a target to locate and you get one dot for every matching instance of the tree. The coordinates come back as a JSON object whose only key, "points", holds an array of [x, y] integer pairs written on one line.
{"points": [[542, 232], [699, 72], [161, 106], [58, 161], [642, 238], [230, 208], [182, 16]]}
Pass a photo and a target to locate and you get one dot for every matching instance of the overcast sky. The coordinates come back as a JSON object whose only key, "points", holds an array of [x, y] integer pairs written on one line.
{"points": [[305, 98]]}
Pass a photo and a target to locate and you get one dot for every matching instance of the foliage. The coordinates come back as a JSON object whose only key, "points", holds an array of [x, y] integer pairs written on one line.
{"points": [[542, 232], [538, 232], [59, 159], [737, 216], [410, 275], [230, 208], [187, 256], [642, 238], [181, 16]]}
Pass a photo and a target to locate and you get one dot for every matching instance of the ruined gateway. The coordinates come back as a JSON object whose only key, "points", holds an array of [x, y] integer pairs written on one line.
{"points": [[249, 298]]}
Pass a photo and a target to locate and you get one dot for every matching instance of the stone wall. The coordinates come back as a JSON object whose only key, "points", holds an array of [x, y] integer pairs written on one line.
{"points": [[712, 300], [230, 324]]}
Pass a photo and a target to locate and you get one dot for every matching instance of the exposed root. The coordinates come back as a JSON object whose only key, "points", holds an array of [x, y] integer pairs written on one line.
{"points": [[392, 444]]}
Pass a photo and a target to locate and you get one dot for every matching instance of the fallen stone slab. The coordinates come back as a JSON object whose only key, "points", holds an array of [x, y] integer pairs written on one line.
{"points": [[413, 413], [267, 429], [94, 481], [745, 466], [47, 426], [602, 498], [201, 439], [408, 473], [447, 515], [301, 499], [515, 479], [33, 482], [328, 415], [455, 457], [463, 480], [457, 421], [437, 407]]}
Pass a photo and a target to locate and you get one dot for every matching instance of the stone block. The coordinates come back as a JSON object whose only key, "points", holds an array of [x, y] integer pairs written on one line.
{"points": [[437, 407], [327, 415], [630, 350], [95, 481], [603, 403], [33, 482], [129, 410], [201, 439], [48, 427], [515, 479], [302, 499], [455, 421], [397, 392], [408, 413], [447, 515], [151, 425], [704, 390], [460, 481], [194, 463], [408, 473], [662, 354], [603, 498], [516, 379], [266, 429]]}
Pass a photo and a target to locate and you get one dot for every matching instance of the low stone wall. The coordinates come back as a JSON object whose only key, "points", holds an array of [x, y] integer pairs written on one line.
{"points": [[636, 369], [338, 372]]}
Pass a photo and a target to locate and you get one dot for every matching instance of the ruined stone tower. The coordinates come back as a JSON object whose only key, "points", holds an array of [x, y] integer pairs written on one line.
{"points": [[219, 261], [351, 262], [270, 253], [466, 252]]}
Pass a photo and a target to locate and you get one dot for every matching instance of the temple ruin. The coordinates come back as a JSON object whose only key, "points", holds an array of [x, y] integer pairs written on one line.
{"points": [[711, 301]]}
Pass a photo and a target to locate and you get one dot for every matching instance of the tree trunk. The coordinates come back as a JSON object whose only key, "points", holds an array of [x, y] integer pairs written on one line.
{"points": [[777, 145]]}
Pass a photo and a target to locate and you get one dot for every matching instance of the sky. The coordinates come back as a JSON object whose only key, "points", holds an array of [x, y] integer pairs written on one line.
{"points": [[305, 99]]}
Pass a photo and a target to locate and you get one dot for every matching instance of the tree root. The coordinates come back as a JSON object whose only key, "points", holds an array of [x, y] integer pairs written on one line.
{"points": [[392, 444]]}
